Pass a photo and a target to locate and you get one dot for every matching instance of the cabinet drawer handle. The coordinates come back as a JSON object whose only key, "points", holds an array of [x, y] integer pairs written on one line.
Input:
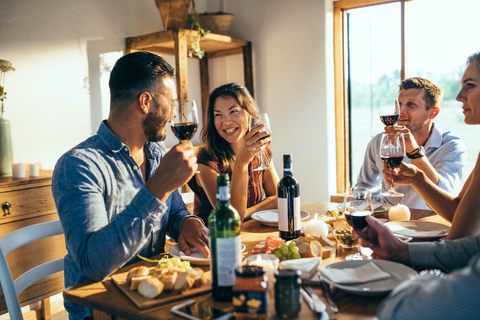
{"points": [[6, 208]]}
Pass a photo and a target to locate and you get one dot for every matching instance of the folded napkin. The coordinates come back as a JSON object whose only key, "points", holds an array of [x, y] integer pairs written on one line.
{"points": [[195, 253], [268, 216], [365, 273], [416, 233]]}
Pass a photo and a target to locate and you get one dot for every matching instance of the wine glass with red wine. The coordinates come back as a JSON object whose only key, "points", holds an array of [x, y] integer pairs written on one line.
{"points": [[252, 123], [392, 152], [184, 119], [356, 218], [389, 111]]}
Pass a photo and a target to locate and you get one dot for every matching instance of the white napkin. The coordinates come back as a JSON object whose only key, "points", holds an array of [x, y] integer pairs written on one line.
{"points": [[195, 253], [414, 233], [366, 273], [268, 216]]}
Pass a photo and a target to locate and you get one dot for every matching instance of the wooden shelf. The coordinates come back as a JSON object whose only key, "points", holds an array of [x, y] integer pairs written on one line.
{"points": [[178, 43]]}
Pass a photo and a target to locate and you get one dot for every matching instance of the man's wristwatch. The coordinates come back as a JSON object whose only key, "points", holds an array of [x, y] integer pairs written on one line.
{"points": [[417, 153]]}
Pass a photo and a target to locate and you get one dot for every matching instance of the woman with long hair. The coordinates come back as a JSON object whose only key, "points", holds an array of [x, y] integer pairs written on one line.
{"points": [[229, 147]]}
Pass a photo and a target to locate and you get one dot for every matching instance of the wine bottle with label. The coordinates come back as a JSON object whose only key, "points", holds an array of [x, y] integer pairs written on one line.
{"points": [[288, 202], [225, 245]]}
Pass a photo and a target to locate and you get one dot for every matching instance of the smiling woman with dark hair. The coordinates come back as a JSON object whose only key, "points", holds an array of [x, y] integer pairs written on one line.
{"points": [[229, 147]]}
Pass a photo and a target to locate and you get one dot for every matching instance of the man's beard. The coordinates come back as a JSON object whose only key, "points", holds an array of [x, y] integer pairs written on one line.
{"points": [[153, 125]]}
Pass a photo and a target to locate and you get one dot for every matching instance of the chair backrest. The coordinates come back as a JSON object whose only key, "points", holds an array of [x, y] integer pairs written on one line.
{"points": [[14, 240]]}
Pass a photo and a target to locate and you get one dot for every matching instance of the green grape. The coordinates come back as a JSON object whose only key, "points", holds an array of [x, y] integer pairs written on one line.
{"points": [[284, 248], [289, 255], [296, 255], [279, 254], [291, 245], [294, 249]]}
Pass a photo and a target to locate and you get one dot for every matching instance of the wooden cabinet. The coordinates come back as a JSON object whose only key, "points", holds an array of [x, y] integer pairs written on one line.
{"points": [[178, 43], [31, 203]]}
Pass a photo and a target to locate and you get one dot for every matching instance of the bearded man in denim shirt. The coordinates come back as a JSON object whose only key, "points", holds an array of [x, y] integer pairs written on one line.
{"points": [[116, 192]]}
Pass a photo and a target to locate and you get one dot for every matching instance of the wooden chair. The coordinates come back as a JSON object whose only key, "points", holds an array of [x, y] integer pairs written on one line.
{"points": [[12, 288]]}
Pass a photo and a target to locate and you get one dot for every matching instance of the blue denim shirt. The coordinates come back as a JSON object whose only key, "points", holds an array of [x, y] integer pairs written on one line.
{"points": [[107, 213]]}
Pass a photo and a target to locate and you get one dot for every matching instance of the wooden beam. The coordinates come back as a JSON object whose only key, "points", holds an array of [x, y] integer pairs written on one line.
{"points": [[181, 64], [205, 86], [248, 67], [403, 22], [340, 128], [352, 4]]}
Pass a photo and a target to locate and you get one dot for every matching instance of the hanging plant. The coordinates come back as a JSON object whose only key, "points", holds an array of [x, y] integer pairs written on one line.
{"points": [[5, 66], [196, 24]]}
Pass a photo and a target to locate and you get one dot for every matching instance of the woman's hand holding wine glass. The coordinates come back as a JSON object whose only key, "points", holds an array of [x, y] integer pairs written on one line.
{"points": [[392, 152], [253, 122]]}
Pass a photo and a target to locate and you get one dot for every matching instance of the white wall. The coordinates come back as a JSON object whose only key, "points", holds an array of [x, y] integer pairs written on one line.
{"points": [[55, 97]]}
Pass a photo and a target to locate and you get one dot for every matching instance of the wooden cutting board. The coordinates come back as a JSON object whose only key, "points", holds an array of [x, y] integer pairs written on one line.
{"points": [[120, 280]]}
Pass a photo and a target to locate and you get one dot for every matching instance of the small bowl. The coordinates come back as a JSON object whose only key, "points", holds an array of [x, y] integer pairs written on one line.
{"points": [[345, 238]]}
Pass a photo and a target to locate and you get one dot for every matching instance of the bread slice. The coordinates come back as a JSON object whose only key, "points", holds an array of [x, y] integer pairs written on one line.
{"points": [[140, 271], [198, 275], [183, 282], [135, 282], [151, 287]]}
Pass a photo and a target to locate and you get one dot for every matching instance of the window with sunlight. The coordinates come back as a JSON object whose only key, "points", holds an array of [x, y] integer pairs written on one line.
{"points": [[440, 35]]}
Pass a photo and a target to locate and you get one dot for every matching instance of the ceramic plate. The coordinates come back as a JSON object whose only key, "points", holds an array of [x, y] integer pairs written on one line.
{"points": [[363, 204], [195, 257], [418, 229], [398, 272], [270, 217]]}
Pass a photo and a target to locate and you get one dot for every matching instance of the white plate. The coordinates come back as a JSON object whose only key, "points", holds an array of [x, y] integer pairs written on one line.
{"points": [[379, 206], [270, 217], [399, 273], [195, 257], [418, 229]]}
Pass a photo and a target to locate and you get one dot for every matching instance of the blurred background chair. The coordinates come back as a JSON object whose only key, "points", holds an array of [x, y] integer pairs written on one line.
{"points": [[18, 238]]}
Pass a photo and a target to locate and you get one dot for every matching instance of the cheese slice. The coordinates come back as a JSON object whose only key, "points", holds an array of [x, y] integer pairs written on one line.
{"points": [[308, 266]]}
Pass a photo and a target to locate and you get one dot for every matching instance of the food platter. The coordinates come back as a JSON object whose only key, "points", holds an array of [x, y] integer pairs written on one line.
{"points": [[120, 280], [270, 217], [418, 229], [397, 271], [378, 207], [196, 256]]}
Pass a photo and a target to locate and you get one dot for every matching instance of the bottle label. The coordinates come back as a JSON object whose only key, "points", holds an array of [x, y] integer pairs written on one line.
{"points": [[223, 193], [283, 214], [229, 257]]}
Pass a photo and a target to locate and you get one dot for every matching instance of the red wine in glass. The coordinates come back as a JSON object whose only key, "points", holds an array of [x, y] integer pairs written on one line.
{"points": [[390, 120], [357, 218], [184, 130], [184, 119], [392, 161], [389, 111], [392, 153]]}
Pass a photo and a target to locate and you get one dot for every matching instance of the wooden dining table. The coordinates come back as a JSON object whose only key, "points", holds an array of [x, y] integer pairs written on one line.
{"points": [[108, 302]]}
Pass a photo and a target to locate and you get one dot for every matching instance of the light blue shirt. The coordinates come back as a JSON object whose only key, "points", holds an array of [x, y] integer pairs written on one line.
{"points": [[430, 297], [108, 215], [445, 151]]}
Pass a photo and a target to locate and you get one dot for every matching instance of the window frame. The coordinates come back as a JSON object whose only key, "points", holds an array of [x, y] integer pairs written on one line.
{"points": [[341, 97]]}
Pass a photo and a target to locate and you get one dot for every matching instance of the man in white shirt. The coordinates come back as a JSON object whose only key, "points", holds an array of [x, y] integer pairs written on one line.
{"points": [[441, 155]]}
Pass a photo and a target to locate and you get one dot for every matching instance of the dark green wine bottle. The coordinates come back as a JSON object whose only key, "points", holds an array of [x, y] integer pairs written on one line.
{"points": [[225, 245]]}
